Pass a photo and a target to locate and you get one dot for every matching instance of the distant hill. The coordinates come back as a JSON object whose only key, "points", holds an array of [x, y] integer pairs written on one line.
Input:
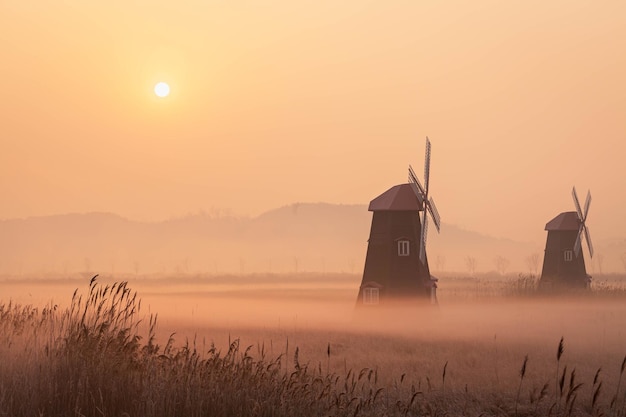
{"points": [[297, 237]]}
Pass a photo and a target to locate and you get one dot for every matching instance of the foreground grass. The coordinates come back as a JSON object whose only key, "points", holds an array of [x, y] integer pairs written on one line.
{"points": [[98, 358]]}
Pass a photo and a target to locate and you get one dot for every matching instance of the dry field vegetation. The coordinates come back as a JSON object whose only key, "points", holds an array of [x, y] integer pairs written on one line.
{"points": [[293, 345]]}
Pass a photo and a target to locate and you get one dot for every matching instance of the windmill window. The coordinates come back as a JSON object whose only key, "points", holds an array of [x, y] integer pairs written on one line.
{"points": [[568, 255], [403, 248], [370, 295]]}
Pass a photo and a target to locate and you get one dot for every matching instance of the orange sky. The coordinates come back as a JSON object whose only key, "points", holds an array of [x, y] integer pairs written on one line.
{"points": [[276, 102]]}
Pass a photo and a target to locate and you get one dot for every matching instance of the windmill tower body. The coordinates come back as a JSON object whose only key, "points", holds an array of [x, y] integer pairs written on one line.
{"points": [[396, 265], [393, 268], [563, 262]]}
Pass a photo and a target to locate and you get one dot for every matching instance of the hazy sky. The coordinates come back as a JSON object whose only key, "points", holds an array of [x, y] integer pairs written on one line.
{"points": [[275, 102]]}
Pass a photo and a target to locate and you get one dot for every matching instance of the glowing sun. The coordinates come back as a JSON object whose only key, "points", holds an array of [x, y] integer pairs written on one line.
{"points": [[162, 89]]}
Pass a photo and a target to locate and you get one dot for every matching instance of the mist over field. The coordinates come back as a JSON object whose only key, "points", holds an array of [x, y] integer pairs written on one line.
{"points": [[478, 336]]}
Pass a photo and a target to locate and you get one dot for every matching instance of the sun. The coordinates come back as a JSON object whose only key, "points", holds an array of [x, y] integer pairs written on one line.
{"points": [[162, 89]]}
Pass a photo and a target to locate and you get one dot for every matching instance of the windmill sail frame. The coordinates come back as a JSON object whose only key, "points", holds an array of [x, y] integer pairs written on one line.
{"points": [[427, 203], [582, 217]]}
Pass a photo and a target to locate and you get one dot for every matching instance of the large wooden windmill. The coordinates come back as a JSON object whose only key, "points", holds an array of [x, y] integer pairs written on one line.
{"points": [[396, 265], [563, 262]]}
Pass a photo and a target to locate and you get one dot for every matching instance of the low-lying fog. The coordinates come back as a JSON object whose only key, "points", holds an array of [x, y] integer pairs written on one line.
{"points": [[482, 338]]}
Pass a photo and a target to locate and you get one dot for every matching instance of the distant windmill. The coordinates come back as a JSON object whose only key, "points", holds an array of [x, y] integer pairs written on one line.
{"points": [[564, 263], [396, 265]]}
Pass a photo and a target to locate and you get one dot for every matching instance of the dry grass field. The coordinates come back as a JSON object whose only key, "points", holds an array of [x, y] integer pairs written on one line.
{"points": [[293, 345]]}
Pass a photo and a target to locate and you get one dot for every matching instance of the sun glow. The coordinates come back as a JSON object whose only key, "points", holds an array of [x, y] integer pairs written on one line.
{"points": [[162, 89]]}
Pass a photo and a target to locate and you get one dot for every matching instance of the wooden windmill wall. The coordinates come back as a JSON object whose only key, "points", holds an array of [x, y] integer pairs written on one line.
{"points": [[396, 264], [563, 262], [392, 267]]}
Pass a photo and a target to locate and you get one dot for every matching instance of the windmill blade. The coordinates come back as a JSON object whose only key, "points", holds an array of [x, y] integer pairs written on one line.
{"points": [[413, 179], [434, 214], [577, 243], [423, 239], [577, 204], [588, 239], [416, 184], [427, 166], [587, 204]]}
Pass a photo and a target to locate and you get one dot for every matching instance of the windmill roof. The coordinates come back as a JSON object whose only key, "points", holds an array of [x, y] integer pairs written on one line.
{"points": [[397, 198], [565, 221]]}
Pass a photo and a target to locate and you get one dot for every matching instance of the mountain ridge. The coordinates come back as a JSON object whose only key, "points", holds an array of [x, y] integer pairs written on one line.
{"points": [[295, 237]]}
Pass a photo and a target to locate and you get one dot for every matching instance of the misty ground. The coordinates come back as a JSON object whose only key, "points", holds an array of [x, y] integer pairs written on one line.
{"points": [[480, 328]]}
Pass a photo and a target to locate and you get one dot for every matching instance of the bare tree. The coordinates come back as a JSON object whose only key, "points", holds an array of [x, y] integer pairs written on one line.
{"points": [[440, 263], [470, 262], [182, 266], [502, 264], [599, 262], [532, 261]]}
